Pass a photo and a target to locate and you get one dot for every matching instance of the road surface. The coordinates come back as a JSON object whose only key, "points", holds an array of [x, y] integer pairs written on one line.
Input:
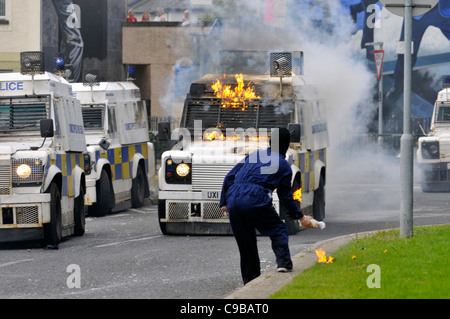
{"points": [[125, 255]]}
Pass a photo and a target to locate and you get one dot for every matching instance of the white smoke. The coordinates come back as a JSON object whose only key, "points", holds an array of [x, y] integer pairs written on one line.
{"points": [[334, 61], [331, 60]]}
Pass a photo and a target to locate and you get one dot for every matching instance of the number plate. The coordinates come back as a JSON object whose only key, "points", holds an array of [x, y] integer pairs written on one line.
{"points": [[211, 195]]}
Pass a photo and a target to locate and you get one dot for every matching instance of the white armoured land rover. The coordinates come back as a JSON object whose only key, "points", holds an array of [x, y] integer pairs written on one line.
{"points": [[42, 153], [122, 160], [433, 153], [226, 117]]}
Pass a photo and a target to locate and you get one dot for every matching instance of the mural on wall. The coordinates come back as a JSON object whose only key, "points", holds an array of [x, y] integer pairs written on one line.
{"points": [[70, 42], [438, 17], [87, 34], [374, 23]]}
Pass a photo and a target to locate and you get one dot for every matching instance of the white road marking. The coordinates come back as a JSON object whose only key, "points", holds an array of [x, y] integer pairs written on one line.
{"points": [[15, 262], [128, 241]]}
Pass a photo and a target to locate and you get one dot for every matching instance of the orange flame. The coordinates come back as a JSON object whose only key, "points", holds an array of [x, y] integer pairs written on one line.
{"points": [[214, 135], [298, 195], [322, 256], [237, 97]]}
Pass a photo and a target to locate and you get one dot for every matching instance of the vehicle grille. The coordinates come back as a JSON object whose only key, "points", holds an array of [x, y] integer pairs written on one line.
{"points": [[178, 210], [211, 210], [209, 176], [5, 179], [36, 170], [19, 215], [195, 211], [27, 215]]}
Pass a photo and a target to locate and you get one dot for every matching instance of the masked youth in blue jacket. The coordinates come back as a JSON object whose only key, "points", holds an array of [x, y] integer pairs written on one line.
{"points": [[247, 196]]}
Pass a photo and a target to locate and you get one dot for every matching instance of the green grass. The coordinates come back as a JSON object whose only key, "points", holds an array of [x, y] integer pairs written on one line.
{"points": [[417, 267]]}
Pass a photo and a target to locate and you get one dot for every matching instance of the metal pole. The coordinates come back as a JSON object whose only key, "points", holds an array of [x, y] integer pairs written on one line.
{"points": [[380, 96], [380, 104], [406, 142]]}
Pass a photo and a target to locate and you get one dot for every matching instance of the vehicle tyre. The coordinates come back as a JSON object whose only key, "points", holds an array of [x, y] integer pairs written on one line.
{"points": [[138, 189], [103, 205], [319, 201], [79, 214], [162, 214], [53, 230]]}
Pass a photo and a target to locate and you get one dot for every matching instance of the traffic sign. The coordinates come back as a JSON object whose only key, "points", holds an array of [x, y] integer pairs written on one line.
{"points": [[378, 56], [419, 7]]}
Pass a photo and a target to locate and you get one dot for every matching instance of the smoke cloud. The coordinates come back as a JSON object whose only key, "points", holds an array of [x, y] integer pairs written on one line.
{"points": [[333, 60]]}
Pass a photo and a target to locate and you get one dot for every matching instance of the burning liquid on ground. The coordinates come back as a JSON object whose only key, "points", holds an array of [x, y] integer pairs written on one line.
{"points": [[322, 256]]}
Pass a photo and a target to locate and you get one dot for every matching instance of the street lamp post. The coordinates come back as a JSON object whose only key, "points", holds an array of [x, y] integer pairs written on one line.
{"points": [[408, 9], [406, 141]]}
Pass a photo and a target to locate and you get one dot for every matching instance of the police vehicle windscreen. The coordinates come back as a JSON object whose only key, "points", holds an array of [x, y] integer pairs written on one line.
{"points": [[93, 116], [22, 114], [443, 114], [258, 114]]}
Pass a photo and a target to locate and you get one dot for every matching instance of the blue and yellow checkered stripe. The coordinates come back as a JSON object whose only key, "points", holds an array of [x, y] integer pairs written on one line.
{"points": [[306, 164], [121, 159], [66, 163]]}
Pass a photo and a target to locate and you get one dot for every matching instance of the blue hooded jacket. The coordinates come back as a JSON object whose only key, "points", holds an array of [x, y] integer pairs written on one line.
{"points": [[248, 185]]}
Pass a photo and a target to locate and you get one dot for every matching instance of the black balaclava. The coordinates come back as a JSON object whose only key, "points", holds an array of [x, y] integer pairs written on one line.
{"points": [[283, 137]]}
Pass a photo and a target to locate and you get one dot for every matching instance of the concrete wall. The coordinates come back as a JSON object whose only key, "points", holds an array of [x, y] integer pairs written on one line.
{"points": [[158, 47], [19, 31]]}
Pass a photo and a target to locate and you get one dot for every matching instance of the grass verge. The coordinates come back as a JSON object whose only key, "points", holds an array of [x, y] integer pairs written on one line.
{"points": [[416, 267]]}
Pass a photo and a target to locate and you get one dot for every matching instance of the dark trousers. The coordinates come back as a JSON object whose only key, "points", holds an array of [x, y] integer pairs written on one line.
{"points": [[244, 223]]}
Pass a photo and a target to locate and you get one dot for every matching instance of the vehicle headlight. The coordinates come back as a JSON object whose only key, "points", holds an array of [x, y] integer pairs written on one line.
{"points": [[177, 172], [430, 149], [433, 149], [23, 171], [27, 170], [183, 169]]}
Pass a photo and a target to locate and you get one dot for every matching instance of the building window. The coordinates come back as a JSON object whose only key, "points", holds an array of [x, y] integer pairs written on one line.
{"points": [[2, 9]]}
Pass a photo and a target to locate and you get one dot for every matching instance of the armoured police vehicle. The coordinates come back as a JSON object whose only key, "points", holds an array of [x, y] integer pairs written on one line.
{"points": [[227, 116], [121, 159], [433, 153], [42, 152]]}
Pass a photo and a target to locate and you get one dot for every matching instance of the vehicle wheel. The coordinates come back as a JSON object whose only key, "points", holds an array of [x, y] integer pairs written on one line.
{"points": [[162, 214], [79, 214], [53, 230], [319, 201], [104, 198], [138, 189]]}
